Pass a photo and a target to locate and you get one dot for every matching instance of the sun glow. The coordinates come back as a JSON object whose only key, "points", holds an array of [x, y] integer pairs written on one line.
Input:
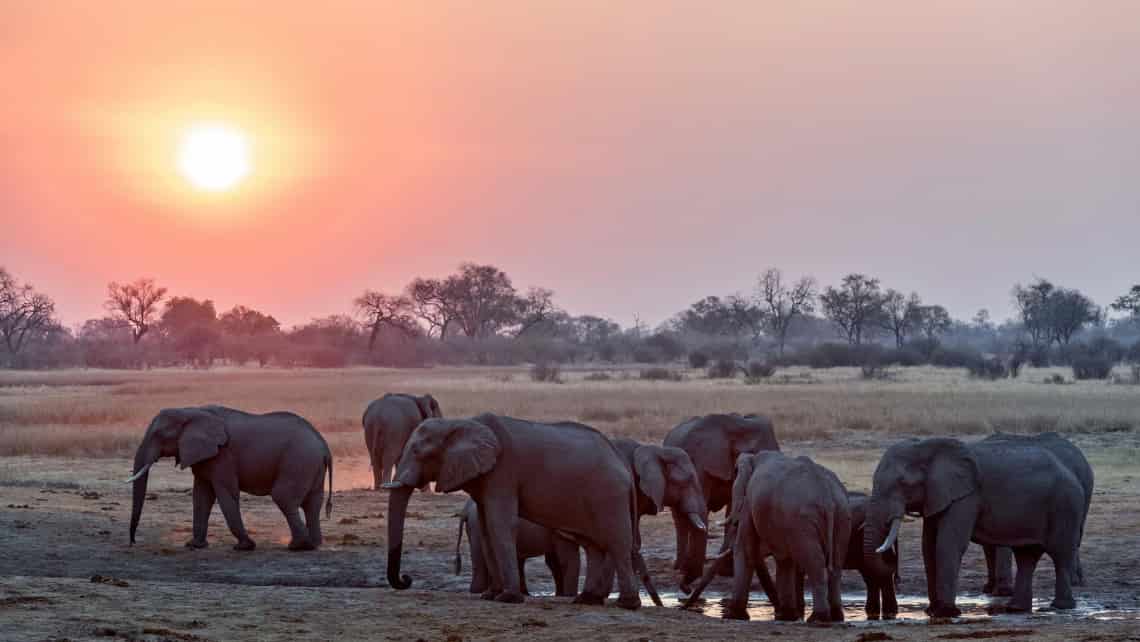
{"points": [[214, 157]]}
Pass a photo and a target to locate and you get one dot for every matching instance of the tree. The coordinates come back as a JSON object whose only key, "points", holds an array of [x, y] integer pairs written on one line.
{"points": [[900, 314], [433, 303], [855, 308], [1069, 312], [780, 305], [24, 313], [136, 303], [981, 321], [379, 310], [191, 326], [533, 309], [732, 316], [241, 321], [485, 299], [1129, 303], [1032, 304], [932, 321]]}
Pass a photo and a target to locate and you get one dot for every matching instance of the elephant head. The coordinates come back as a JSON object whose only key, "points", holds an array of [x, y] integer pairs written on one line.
{"points": [[924, 477], [190, 435], [429, 407], [450, 452], [668, 478], [717, 453]]}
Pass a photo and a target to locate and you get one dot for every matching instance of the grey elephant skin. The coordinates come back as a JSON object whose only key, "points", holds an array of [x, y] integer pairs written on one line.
{"points": [[560, 553], [713, 442], [881, 599], [997, 493], [229, 451], [567, 477], [388, 422], [999, 559]]}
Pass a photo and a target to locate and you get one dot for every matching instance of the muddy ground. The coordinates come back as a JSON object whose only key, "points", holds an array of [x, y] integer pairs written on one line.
{"points": [[67, 572]]}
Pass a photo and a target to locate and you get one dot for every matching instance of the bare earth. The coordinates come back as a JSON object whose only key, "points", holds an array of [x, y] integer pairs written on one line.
{"points": [[66, 571]]}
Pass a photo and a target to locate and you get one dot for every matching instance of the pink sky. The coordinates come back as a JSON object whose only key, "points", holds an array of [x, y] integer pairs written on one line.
{"points": [[634, 157]]}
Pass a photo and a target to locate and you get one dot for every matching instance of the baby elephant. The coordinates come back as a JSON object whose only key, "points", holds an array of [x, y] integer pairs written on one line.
{"points": [[881, 600], [230, 451], [796, 511], [533, 540]]}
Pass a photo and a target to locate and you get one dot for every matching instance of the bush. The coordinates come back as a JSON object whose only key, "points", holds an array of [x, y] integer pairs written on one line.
{"points": [[645, 354], [1055, 379], [990, 369], [760, 370], [546, 373], [944, 357], [698, 359], [722, 369], [1038, 356], [667, 346], [597, 376], [660, 374], [905, 356], [1091, 366]]}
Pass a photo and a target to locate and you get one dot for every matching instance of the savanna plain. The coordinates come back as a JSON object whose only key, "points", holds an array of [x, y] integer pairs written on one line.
{"points": [[67, 571]]}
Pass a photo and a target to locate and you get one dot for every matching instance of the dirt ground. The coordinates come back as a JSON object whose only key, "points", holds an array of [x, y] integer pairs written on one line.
{"points": [[67, 572]]}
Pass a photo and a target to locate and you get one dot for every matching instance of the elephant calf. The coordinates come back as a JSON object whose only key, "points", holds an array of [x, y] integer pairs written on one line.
{"points": [[796, 511], [880, 582], [230, 451], [533, 541], [388, 422]]}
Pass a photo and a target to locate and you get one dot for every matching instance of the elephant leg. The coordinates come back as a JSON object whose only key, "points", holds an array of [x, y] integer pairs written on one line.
{"points": [[872, 607], [1063, 563], [388, 457], [1027, 558], [929, 560], [1003, 571], [786, 581], [695, 551], [291, 509], [571, 569], [522, 576], [835, 594], [494, 583], [499, 519], [952, 538], [629, 597], [988, 587], [801, 608], [554, 565], [682, 531], [203, 506], [1078, 568], [811, 560], [312, 508], [376, 454], [745, 551], [761, 568], [890, 602], [480, 580], [231, 510], [597, 579]]}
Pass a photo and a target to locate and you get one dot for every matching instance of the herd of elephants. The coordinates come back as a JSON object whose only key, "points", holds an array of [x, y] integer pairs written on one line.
{"points": [[548, 489]]}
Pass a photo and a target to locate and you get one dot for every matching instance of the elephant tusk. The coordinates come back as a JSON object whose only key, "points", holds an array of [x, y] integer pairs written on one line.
{"points": [[141, 472], [892, 537], [392, 485], [698, 523]]}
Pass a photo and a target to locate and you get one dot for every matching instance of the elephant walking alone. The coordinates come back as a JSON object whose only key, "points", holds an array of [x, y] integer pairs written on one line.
{"points": [[388, 422], [231, 452], [996, 493]]}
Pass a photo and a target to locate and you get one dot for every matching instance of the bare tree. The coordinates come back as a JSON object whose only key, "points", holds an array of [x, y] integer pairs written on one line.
{"points": [[780, 305], [933, 320], [379, 310], [900, 314], [23, 312], [136, 303], [534, 308], [433, 303], [855, 307]]}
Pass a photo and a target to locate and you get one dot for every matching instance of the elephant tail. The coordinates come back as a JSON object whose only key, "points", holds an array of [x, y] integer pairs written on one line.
{"points": [[834, 558], [459, 544], [328, 502], [639, 567]]}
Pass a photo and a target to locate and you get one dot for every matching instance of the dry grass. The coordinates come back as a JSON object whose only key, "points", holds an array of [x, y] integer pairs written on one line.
{"points": [[99, 413]]}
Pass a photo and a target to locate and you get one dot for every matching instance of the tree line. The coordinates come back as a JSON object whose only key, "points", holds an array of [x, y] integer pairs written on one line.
{"points": [[477, 315]]}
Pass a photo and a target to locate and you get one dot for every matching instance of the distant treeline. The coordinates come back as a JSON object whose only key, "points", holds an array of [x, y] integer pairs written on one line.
{"points": [[477, 316]]}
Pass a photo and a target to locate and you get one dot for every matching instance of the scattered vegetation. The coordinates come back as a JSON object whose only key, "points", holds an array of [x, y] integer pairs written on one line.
{"points": [[661, 374], [546, 373], [723, 369], [698, 359]]}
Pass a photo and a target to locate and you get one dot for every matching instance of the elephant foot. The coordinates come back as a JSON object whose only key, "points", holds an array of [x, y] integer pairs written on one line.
{"points": [[1003, 591], [589, 599], [245, 545], [735, 611], [786, 615], [873, 616], [819, 618], [630, 602], [196, 544], [301, 545], [488, 595], [988, 588], [1064, 605], [890, 615], [510, 597], [943, 611]]}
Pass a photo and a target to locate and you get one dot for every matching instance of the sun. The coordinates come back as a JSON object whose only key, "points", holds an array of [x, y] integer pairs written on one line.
{"points": [[214, 157]]}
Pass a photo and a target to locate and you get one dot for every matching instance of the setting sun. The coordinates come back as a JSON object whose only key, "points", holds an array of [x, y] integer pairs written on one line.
{"points": [[213, 157]]}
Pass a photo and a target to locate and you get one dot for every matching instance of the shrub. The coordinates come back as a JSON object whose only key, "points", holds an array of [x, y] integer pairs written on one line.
{"points": [[945, 357], [597, 376], [667, 346], [1038, 356], [698, 359], [660, 374], [546, 373], [608, 352], [760, 370], [991, 369], [1055, 379], [904, 356], [645, 354], [1091, 366], [722, 369]]}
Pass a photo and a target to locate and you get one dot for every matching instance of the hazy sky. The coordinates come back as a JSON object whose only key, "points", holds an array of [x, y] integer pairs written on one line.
{"points": [[633, 156]]}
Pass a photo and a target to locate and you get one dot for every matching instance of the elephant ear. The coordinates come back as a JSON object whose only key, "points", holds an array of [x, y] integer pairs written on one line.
{"points": [[952, 475], [203, 433], [471, 450], [650, 475], [745, 465]]}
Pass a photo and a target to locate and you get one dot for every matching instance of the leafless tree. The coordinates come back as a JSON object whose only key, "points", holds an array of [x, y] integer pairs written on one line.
{"points": [[433, 302], [136, 303], [379, 310], [534, 308], [932, 321], [855, 307], [23, 312], [781, 304], [900, 314]]}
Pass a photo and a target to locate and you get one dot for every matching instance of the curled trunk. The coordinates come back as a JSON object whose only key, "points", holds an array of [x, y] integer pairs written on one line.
{"points": [[397, 510]]}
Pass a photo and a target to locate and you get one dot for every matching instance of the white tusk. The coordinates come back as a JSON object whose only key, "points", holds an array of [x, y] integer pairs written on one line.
{"points": [[141, 472], [891, 537], [698, 522]]}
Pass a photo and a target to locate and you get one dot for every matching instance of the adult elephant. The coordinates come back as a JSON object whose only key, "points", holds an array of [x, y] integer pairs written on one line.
{"points": [[714, 442], [230, 451], [567, 477], [796, 511], [999, 559], [560, 553], [388, 422], [999, 493]]}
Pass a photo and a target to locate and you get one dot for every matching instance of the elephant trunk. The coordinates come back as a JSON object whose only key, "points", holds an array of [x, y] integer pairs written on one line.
{"points": [[876, 536], [144, 459], [398, 497]]}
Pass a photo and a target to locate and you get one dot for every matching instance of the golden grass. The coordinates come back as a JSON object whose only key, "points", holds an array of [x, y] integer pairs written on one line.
{"points": [[101, 413]]}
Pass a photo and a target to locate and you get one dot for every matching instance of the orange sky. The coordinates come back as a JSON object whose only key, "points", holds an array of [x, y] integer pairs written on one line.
{"points": [[633, 158]]}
